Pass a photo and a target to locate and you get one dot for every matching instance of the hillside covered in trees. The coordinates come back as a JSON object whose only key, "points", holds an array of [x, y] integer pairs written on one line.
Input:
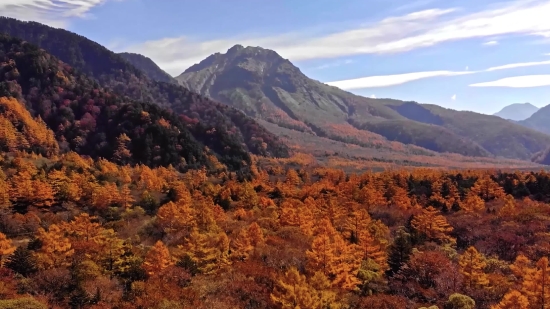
{"points": [[93, 121], [83, 233], [209, 119]]}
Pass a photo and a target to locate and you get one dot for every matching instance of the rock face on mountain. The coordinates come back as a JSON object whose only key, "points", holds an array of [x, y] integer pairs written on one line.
{"points": [[264, 85], [149, 67], [517, 111]]}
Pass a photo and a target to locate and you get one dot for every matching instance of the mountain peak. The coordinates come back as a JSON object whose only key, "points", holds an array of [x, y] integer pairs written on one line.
{"points": [[517, 111], [235, 49], [254, 59]]}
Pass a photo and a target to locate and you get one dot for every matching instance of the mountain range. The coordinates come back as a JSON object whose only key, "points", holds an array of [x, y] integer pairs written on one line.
{"points": [[247, 101], [266, 86]]}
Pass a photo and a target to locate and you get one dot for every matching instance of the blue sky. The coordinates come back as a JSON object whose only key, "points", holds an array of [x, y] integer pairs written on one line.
{"points": [[465, 55]]}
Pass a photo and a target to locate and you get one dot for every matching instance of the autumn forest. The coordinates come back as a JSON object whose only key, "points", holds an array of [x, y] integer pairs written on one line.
{"points": [[119, 191]]}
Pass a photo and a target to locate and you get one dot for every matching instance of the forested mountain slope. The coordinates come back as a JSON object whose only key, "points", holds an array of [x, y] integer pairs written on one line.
{"points": [[93, 121], [150, 68], [211, 120]]}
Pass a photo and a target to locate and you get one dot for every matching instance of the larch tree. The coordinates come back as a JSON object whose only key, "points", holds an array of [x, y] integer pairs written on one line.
{"points": [[487, 188], [521, 267], [536, 285], [6, 247], [472, 264], [432, 224], [472, 203], [201, 249], [83, 227], [177, 216], [513, 300], [371, 250], [331, 255], [241, 245], [157, 259], [356, 224], [126, 200], [55, 249], [256, 234], [292, 291], [122, 154], [509, 209]]}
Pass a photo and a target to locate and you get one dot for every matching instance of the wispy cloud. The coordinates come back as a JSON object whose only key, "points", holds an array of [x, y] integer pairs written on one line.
{"points": [[390, 80], [525, 81], [52, 12], [490, 43], [453, 97], [518, 65], [334, 64], [390, 35], [397, 79]]}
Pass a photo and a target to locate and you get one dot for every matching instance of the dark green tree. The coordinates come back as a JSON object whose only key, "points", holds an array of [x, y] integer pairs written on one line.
{"points": [[399, 250], [22, 262]]}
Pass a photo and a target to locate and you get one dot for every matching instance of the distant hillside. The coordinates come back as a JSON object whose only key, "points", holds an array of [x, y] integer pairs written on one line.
{"points": [[225, 130], [517, 111], [149, 67], [539, 121], [266, 86]]}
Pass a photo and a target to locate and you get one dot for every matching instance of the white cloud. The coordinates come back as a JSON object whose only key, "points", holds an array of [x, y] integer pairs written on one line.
{"points": [[525, 81], [373, 96], [490, 43], [397, 79], [389, 80], [518, 65], [389, 35], [55, 13], [334, 64], [453, 97]]}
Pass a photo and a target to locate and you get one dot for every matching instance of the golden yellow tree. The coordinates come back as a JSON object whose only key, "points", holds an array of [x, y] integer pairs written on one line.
{"points": [[55, 249], [83, 227], [203, 210], [241, 245], [122, 154], [157, 259], [513, 300], [432, 224], [126, 200], [292, 291], [176, 216], [332, 256], [472, 203], [356, 223], [536, 285], [110, 249], [371, 250], [509, 209], [521, 267], [487, 189], [256, 234], [472, 264], [6, 247]]}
